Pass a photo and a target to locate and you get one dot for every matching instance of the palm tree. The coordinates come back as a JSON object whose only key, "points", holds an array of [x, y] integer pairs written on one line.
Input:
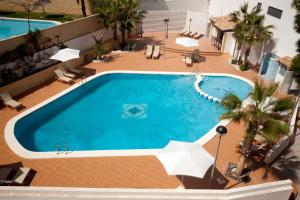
{"points": [[239, 17], [99, 47], [83, 7], [249, 28], [260, 117], [108, 11], [256, 33], [128, 17]]}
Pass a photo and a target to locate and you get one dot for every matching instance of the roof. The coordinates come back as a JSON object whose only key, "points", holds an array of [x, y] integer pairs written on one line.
{"points": [[224, 23], [286, 60]]}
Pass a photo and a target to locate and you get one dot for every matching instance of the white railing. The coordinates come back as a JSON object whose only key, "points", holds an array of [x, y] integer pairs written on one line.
{"points": [[279, 190]]}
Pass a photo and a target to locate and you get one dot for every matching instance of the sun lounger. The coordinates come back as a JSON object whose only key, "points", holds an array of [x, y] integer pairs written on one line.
{"points": [[192, 34], [156, 52], [188, 61], [18, 177], [66, 73], [183, 32], [61, 77], [149, 51], [75, 71], [187, 34], [197, 36], [8, 101]]}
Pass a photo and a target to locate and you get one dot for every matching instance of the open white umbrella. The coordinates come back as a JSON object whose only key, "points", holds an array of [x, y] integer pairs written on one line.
{"points": [[187, 42], [66, 54], [185, 158]]}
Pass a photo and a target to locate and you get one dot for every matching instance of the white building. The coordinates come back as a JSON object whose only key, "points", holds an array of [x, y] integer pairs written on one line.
{"points": [[275, 57]]}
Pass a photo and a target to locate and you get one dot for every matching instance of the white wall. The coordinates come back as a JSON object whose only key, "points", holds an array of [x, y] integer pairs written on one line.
{"points": [[193, 5], [198, 23], [229, 44], [279, 190], [284, 34]]}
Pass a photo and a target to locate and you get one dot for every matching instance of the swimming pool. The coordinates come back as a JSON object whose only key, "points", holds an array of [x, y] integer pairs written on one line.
{"points": [[119, 111], [14, 27]]}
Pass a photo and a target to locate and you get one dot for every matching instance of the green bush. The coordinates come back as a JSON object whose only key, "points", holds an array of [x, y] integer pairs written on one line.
{"points": [[233, 61], [243, 67]]}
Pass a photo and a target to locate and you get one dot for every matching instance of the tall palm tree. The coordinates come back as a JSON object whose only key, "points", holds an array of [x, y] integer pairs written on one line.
{"points": [[239, 17], [108, 11], [260, 117], [249, 28], [256, 33], [129, 16], [83, 7]]}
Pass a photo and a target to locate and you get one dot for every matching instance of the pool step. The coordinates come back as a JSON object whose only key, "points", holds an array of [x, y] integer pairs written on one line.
{"points": [[199, 78]]}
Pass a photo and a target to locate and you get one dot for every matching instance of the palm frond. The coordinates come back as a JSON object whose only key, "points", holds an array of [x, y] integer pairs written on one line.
{"points": [[273, 129], [231, 102], [283, 104]]}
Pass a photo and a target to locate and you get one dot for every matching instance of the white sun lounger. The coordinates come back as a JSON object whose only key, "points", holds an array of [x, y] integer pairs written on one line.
{"points": [[75, 71], [8, 101], [61, 77], [66, 73], [156, 52], [149, 51]]}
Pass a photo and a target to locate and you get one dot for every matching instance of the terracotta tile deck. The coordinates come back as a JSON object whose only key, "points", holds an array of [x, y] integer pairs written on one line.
{"points": [[139, 171]]}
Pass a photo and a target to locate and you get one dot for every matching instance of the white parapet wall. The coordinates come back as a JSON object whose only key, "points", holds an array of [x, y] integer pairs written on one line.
{"points": [[279, 190]]}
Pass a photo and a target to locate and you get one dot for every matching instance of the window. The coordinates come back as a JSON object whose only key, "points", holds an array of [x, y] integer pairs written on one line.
{"points": [[274, 12], [258, 6]]}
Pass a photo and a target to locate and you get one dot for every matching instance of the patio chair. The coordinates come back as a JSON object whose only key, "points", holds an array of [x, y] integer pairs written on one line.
{"points": [[149, 51], [9, 102], [66, 73], [156, 52], [73, 70], [61, 77], [196, 55], [189, 61], [18, 176]]}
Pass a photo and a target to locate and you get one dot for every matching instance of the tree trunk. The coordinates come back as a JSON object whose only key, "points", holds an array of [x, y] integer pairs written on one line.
{"points": [[238, 50], [115, 32], [28, 20], [240, 165], [262, 51], [44, 11], [123, 37], [247, 52], [129, 34], [83, 8]]}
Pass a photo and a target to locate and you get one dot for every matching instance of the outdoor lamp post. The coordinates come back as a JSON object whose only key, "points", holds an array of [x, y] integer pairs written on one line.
{"points": [[141, 28], [167, 24], [190, 24], [166, 20], [221, 130]]}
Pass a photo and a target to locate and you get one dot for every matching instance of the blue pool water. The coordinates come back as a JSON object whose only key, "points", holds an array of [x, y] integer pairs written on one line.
{"points": [[124, 111], [220, 86], [14, 27]]}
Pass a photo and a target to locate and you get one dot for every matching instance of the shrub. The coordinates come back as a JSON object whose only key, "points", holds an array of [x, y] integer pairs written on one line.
{"points": [[244, 67], [234, 61]]}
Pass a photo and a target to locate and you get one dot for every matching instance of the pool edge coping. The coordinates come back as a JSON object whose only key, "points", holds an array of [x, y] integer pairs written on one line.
{"points": [[18, 149]]}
